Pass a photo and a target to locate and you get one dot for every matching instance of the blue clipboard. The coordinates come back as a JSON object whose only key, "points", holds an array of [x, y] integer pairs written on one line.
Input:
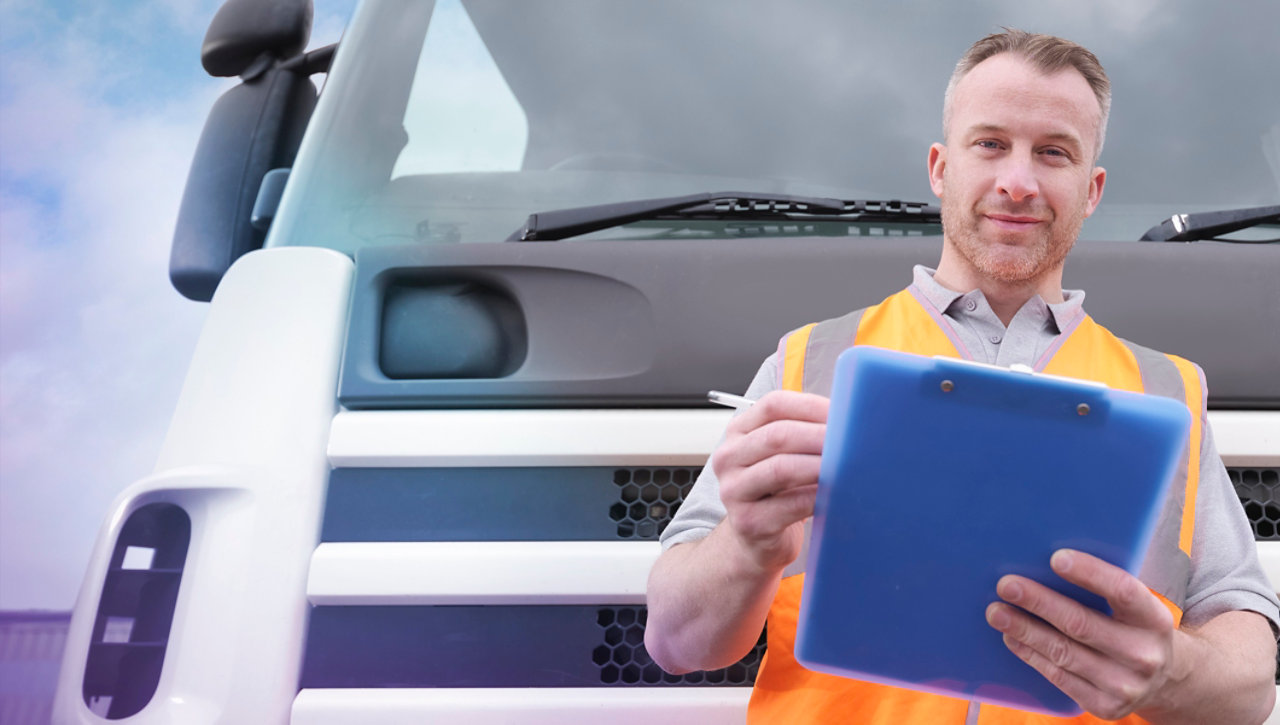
{"points": [[940, 476]]}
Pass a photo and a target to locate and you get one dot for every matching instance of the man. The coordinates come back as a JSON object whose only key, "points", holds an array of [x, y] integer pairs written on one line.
{"points": [[1192, 641]]}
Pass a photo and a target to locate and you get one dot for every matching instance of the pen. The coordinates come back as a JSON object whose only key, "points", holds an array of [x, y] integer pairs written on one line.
{"points": [[729, 399]]}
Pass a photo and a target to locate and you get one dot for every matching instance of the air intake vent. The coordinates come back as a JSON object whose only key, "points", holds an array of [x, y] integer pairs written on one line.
{"points": [[539, 503], [1259, 492], [623, 660], [648, 498], [494, 646], [136, 609]]}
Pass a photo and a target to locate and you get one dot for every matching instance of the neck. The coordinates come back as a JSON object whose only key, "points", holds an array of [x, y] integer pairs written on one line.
{"points": [[1005, 297]]}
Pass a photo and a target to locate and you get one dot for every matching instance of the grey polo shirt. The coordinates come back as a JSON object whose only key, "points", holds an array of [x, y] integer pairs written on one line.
{"points": [[1225, 572]]}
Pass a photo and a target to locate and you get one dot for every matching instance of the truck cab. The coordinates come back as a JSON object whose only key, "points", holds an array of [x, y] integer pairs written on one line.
{"points": [[466, 304]]}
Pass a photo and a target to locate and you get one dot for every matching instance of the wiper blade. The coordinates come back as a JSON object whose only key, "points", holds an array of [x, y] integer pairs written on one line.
{"points": [[565, 223], [1210, 225]]}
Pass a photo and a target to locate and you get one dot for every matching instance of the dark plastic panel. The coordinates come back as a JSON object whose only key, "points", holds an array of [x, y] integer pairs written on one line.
{"points": [[658, 323], [503, 504], [135, 612], [493, 646]]}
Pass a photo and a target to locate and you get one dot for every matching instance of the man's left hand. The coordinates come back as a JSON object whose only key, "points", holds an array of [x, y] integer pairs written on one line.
{"points": [[1110, 665]]}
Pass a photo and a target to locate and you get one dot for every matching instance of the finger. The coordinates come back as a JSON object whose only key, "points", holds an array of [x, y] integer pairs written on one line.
{"points": [[1082, 624], [787, 440], [1131, 602], [772, 476], [1097, 701], [1054, 648], [771, 517], [1134, 647], [781, 405], [779, 437]]}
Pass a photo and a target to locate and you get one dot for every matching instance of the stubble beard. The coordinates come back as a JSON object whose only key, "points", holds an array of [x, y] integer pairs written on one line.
{"points": [[1000, 255]]}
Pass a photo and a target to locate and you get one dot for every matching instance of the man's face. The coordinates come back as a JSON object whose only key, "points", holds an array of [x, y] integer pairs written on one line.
{"points": [[1016, 177]]}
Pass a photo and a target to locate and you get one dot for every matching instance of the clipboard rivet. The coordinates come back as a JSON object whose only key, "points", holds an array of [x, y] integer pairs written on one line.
{"points": [[947, 386], [1082, 409]]}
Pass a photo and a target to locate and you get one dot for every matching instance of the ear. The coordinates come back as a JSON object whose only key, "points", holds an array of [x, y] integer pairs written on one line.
{"points": [[937, 165], [1097, 179]]}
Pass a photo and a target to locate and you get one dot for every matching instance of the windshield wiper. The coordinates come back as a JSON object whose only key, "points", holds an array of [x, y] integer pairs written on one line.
{"points": [[1210, 225], [565, 223]]}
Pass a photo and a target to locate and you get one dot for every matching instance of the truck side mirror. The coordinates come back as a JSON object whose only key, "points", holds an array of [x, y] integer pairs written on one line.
{"points": [[253, 128]]}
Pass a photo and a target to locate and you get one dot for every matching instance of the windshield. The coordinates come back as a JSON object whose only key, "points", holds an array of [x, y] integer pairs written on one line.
{"points": [[451, 122]]}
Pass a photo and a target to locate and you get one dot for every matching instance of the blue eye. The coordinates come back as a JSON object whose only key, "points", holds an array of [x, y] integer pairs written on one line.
{"points": [[1057, 155]]}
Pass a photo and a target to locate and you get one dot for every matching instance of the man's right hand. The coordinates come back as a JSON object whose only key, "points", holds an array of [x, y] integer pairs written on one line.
{"points": [[768, 470], [709, 598]]}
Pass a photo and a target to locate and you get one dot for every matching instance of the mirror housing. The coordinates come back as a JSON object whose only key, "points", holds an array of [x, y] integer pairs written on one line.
{"points": [[253, 128], [243, 31]]}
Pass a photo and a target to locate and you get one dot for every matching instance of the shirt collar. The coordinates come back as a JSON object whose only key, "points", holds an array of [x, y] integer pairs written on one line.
{"points": [[1061, 313]]}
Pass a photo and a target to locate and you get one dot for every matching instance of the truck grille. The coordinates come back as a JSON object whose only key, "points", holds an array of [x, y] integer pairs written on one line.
{"points": [[1259, 493], [529, 645], [623, 660]]}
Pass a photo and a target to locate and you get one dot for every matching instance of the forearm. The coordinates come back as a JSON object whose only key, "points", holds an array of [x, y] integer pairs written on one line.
{"points": [[1224, 673], [707, 604]]}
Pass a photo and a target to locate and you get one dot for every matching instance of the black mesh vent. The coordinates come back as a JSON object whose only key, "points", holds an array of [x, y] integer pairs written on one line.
{"points": [[648, 498], [623, 660], [1259, 492]]}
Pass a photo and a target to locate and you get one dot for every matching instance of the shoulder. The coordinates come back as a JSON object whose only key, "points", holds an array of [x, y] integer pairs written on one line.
{"points": [[1168, 374], [835, 326]]}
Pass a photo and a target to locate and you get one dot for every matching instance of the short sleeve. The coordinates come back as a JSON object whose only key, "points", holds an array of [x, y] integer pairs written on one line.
{"points": [[1226, 574]]}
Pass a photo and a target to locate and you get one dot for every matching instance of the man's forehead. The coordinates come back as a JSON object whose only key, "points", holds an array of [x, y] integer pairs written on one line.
{"points": [[1011, 79], [1010, 70]]}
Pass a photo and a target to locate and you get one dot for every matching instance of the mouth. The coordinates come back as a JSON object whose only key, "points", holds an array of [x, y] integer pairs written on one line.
{"points": [[1013, 222]]}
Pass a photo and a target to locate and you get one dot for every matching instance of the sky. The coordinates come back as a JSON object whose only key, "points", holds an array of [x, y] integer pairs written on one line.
{"points": [[101, 106]]}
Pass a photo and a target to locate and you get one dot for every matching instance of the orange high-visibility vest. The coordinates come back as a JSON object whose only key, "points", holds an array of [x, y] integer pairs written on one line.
{"points": [[786, 692]]}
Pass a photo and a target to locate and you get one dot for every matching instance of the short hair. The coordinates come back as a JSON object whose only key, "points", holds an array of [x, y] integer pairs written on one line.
{"points": [[1048, 54]]}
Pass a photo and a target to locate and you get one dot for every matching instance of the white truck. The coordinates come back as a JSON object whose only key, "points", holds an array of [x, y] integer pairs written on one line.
{"points": [[466, 307]]}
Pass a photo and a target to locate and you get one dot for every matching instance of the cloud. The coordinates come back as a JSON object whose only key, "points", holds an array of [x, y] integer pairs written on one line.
{"points": [[100, 110], [93, 340]]}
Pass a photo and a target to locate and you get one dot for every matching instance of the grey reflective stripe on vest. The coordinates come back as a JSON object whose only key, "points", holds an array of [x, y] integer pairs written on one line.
{"points": [[1167, 568], [827, 340]]}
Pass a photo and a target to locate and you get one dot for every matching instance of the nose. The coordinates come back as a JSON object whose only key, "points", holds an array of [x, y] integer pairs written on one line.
{"points": [[1017, 179]]}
